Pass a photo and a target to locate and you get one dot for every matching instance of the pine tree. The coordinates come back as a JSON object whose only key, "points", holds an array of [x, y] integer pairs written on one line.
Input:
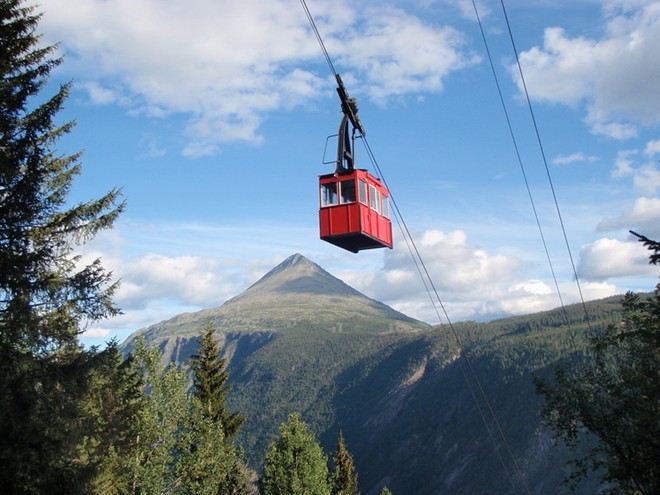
{"points": [[210, 385], [295, 463], [344, 477], [612, 405], [46, 296]]}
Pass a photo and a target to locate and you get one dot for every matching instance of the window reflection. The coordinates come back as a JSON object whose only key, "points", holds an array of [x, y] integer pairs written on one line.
{"points": [[386, 207], [363, 192], [374, 199], [347, 188], [329, 194]]}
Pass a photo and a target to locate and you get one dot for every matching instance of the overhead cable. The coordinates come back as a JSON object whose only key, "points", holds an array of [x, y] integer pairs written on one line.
{"points": [[545, 163], [434, 295]]}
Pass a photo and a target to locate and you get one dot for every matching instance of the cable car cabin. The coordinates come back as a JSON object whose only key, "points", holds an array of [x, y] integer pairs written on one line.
{"points": [[355, 205], [355, 211]]}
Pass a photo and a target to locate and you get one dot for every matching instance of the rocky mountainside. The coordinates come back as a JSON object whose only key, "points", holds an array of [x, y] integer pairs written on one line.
{"points": [[300, 340]]}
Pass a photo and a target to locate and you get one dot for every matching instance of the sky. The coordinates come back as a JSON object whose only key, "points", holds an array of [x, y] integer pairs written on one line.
{"points": [[212, 117]]}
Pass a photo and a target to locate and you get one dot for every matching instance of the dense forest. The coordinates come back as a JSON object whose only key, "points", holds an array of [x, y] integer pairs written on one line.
{"points": [[311, 388]]}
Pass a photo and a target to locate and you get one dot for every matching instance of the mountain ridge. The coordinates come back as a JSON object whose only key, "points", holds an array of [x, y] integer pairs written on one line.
{"points": [[395, 387], [297, 293]]}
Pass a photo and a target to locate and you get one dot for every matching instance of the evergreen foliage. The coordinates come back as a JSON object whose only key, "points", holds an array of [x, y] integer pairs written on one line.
{"points": [[108, 419], [83, 421], [344, 477], [402, 400], [46, 296], [177, 449], [210, 384], [295, 463], [613, 403]]}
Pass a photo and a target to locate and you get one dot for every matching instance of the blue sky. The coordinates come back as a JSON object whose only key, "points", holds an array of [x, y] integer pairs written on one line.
{"points": [[212, 116]]}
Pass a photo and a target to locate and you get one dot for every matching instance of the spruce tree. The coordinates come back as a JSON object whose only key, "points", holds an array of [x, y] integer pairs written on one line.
{"points": [[109, 419], [210, 385], [295, 463], [47, 297], [175, 448], [344, 477]]}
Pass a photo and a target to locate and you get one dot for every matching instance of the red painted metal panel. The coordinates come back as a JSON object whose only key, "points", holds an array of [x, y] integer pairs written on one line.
{"points": [[353, 225]]}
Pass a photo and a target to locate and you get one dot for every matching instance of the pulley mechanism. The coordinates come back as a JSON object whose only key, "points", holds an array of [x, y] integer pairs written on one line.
{"points": [[345, 146]]}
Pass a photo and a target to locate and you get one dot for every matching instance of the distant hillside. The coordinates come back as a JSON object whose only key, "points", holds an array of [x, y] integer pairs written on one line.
{"points": [[301, 340]]}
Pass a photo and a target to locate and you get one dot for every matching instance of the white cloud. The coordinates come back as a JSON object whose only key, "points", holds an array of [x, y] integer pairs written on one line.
{"points": [[224, 65], [643, 217], [614, 130], [159, 281], [467, 278], [623, 165], [646, 175], [647, 178], [548, 298], [477, 284], [395, 53], [615, 76], [191, 279], [607, 258], [652, 147], [96, 333], [155, 287], [456, 265], [532, 287], [153, 147], [101, 95], [573, 158], [467, 8]]}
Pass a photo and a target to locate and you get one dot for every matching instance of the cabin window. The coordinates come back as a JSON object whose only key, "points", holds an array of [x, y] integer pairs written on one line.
{"points": [[374, 199], [363, 192], [347, 190], [386, 206], [329, 194]]}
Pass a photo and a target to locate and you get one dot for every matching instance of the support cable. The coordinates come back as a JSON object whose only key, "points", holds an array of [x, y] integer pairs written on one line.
{"points": [[545, 163], [520, 163], [435, 296], [318, 37], [433, 292]]}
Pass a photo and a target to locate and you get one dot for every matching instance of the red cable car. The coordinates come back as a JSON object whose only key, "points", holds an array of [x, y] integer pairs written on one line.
{"points": [[354, 209]]}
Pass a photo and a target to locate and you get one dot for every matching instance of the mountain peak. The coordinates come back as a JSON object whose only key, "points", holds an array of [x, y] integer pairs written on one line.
{"points": [[299, 275], [295, 293], [294, 261]]}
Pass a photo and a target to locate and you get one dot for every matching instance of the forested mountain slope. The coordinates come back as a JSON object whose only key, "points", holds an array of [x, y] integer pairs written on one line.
{"points": [[408, 404]]}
